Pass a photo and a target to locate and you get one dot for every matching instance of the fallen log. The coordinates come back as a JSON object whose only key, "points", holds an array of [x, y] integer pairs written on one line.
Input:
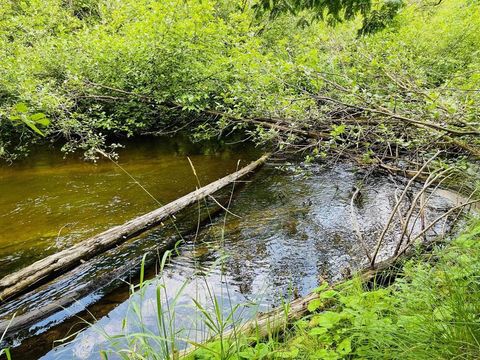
{"points": [[107, 282], [33, 275], [110, 280], [278, 319]]}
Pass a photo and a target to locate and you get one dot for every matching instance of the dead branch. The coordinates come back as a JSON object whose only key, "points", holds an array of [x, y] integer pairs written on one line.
{"points": [[397, 204], [389, 114], [433, 223], [431, 179]]}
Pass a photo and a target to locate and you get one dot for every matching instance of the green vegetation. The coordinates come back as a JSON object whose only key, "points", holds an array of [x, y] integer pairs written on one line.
{"points": [[100, 70], [381, 81], [376, 16], [430, 311]]}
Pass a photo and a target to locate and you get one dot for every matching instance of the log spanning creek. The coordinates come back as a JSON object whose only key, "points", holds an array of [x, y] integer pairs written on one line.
{"points": [[287, 228]]}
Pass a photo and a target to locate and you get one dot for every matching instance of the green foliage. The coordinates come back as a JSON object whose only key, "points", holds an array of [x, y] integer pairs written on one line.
{"points": [[379, 18], [376, 15], [20, 114], [134, 66], [334, 11], [99, 69], [7, 353]]}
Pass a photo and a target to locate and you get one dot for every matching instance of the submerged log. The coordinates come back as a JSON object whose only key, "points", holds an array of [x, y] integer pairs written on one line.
{"points": [[277, 320], [33, 275]]}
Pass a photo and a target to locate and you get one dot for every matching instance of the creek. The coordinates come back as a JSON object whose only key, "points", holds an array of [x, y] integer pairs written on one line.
{"points": [[288, 228]]}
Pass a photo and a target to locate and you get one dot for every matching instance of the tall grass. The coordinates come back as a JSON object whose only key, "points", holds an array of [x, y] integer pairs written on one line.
{"points": [[6, 351], [145, 342], [213, 316], [213, 313]]}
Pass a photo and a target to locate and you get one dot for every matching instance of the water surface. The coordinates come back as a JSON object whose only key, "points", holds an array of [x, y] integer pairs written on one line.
{"points": [[292, 229], [48, 203], [287, 230]]}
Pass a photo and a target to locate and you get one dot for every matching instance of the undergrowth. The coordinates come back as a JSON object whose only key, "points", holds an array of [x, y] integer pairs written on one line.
{"points": [[86, 73]]}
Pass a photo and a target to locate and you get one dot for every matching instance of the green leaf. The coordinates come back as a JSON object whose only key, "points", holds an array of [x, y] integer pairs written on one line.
{"points": [[337, 130], [327, 319], [32, 126], [328, 294], [40, 118], [317, 331], [292, 353], [21, 108], [442, 313], [326, 354], [314, 305], [321, 288], [345, 347], [6, 351]]}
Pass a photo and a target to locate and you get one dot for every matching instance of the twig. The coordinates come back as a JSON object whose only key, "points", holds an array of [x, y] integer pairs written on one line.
{"points": [[421, 212], [431, 179], [435, 222], [387, 225], [418, 123]]}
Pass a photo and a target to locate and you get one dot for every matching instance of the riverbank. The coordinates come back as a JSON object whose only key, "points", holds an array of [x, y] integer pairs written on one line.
{"points": [[428, 311]]}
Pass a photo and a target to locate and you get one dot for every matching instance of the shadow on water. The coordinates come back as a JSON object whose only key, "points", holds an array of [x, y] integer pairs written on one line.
{"points": [[292, 230]]}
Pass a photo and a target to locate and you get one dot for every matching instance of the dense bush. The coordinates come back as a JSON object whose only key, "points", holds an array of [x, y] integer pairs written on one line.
{"points": [[101, 68]]}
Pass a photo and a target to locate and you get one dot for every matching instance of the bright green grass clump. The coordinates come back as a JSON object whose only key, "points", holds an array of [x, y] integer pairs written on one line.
{"points": [[430, 311]]}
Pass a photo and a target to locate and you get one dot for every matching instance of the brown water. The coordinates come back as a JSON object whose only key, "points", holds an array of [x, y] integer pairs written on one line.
{"points": [[291, 229], [48, 203]]}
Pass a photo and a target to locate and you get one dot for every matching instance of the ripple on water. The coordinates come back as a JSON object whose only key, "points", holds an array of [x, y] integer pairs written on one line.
{"points": [[294, 231]]}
